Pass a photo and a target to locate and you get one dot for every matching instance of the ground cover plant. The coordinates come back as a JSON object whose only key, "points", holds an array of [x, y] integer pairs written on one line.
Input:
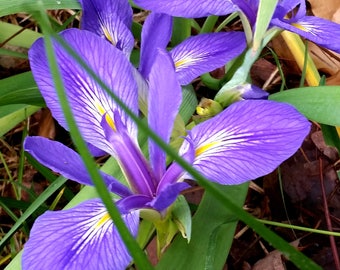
{"points": [[152, 109]]}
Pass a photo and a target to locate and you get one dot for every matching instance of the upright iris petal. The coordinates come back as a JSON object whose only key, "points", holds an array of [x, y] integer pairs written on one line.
{"points": [[163, 108], [156, 34]]}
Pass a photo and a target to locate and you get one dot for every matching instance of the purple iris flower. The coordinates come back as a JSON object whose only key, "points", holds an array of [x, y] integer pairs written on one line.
{"points": [[245, 141], [318, 30], [199, 54]]}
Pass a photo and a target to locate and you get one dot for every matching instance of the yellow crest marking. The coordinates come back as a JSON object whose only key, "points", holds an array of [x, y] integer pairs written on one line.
{"points": [[103, 219], [108, 36], [108, 118], [205, 148], [110, 121], [301, 27], [181, 62]]}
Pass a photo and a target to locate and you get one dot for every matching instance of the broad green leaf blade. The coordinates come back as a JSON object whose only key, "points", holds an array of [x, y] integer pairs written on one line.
{"points": [[264, 15], [16, 6], [320, 104], [211, 222], [13, 115], [25, 39], [20, 89]]}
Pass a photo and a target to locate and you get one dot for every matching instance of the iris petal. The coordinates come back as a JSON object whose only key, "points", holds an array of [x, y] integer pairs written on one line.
{"points": [[67, 162], [168, 195], [156, 34], [83, 237], [206, 52], [130, 157], [189, 9], [247, 140], [320, 31], [111, 20], [165, 96], [88, 101]]}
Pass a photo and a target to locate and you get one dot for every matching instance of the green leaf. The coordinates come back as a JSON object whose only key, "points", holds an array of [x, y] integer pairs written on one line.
{"points": [[211, 222], [331, 136], [189, 103], [20, 89], [24, 39], [12, 53], [33, 207], [181, 30], [264, 15], [16, 6], [320, 103], [11, 115]]}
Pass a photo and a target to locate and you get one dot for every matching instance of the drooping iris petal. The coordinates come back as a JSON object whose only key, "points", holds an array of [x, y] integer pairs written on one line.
{"points": [[156, 33], [189, 8], [247, 140], [206, 52], [67, 162], [320, 31], [83, 237], [88, 101], [167, 196], [111, 20], [130, 158], [165, 96]]}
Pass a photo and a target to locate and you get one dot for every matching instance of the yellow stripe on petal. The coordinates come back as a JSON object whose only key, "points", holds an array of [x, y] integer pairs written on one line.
{"points": [[181, 62], [108, 118], [102, 220], [100, 109], [108, 36], [184, 61], [301, 27], [110, 121], [205, 148]]}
